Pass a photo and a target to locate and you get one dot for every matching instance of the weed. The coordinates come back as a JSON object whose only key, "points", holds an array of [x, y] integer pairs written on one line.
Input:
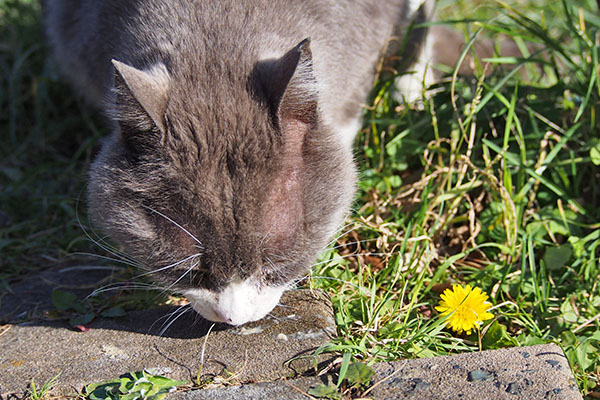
{"points": [[134, 385], [491, 181], [33, 393]]}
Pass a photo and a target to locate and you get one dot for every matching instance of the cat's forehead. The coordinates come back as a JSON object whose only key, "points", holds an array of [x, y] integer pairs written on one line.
{"points": [[221, 125]]}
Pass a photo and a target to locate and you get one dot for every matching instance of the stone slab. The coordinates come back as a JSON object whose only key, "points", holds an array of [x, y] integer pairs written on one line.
{"points": [[536, 372], [524, 373], [296, 389], [255, 352], [29, 297]]}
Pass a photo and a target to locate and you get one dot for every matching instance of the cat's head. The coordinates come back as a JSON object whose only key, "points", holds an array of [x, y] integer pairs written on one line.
{"points": [[226, 194]]}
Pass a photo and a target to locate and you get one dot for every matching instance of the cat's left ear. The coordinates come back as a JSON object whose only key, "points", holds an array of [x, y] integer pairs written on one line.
{"points": [[290, 86], [141, 96], [291, 91]]}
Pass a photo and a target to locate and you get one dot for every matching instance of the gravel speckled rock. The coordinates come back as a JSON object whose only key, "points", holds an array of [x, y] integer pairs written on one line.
{"points": [[255, 352], [528, 373], [537, 372]]}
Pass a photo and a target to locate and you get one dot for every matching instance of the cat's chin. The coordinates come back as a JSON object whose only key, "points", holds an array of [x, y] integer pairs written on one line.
{"points": [[240, 302]]}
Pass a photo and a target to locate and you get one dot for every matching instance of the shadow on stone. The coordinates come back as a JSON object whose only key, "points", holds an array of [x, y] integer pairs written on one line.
{"points": [[178, 343], [27, 300]]}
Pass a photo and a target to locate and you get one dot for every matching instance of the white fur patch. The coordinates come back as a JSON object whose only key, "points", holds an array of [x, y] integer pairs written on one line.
{"points": [[348, 132], [413, 6], [409, 87], [238, 303]]}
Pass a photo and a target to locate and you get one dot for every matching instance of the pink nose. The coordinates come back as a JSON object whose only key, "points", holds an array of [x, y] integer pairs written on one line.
{"points": [[223, 317]]}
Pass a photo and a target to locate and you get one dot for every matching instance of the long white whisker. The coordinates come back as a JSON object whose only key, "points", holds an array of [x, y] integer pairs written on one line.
{"points": [[327, 278], [175, 319], [168, 316], [167, 267], [350, 256], [100, 242], [336, 237], [124, 258], [181, 277], [123, 286], [90, 268], [200, 245], [117, 260], [352, 243]]}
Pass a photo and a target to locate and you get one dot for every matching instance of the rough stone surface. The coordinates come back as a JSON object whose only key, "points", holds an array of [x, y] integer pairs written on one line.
{"points": [[523, 373], [256, 352], [537, 372], [296, 389], [30, 297]]}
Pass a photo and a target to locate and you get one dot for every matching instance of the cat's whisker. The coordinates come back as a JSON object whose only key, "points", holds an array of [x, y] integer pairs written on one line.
{"points": [[194, 265], [328, 278], [181, 310], [271, 264], [352, 255], [342, 234], [339, 246], [199, 243], [154, 271], [122, 257], [117, 260], [168, 316], [123, 286], [295, 282], [100, 242]]}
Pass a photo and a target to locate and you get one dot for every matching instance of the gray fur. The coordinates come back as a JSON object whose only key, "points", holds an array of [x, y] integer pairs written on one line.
{"points": [[228, 124]]}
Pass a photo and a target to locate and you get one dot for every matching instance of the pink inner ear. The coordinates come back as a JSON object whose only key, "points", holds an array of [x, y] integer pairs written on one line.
{"points": [[283, 209]]}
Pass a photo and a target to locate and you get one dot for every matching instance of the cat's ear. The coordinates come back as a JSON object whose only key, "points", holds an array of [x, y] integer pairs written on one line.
{"points": [[141, 96], [290, 86], [291, 90]]}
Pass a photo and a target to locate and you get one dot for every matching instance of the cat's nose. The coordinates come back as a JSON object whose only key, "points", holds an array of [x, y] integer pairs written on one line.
{"points": [[223, 317], [227, 316]]}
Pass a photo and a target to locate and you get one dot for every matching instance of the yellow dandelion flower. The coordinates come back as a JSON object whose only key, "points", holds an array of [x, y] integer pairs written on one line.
{"points": [[467, 308]]}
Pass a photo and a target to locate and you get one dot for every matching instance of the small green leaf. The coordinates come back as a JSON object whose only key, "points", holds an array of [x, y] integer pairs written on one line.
{"points": [[585, 354], [113, 312], [82, 319], [557, 257], [568, 338], [359, 374], [133, 386], [344, 367], [568, 313], [325, 392], [595, 154], [64, 301], [165, 383], [493, 336]]}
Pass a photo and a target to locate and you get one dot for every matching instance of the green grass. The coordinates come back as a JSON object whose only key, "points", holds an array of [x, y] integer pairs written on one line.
{"points": [[47, 143], [492, 181], [42, 393], [497, 189]]}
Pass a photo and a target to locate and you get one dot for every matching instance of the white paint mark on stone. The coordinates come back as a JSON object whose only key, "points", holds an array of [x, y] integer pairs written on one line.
{"points": [[249, 331], [159, 370], [306, 335], [114, 353], [282, 336]]}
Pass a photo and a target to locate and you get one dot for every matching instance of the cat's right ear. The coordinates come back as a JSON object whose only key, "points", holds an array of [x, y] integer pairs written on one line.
{"points": [[140, 97]]}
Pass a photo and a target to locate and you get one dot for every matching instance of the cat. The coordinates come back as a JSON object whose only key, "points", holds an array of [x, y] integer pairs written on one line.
{"points": [[230, 165]]}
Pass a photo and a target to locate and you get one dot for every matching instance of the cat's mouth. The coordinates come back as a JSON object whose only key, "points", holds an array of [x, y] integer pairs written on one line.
{"points": [[240, 302]]}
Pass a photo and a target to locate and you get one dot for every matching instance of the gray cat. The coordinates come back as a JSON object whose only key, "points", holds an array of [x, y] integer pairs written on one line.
{"points": [[230, 164]]}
